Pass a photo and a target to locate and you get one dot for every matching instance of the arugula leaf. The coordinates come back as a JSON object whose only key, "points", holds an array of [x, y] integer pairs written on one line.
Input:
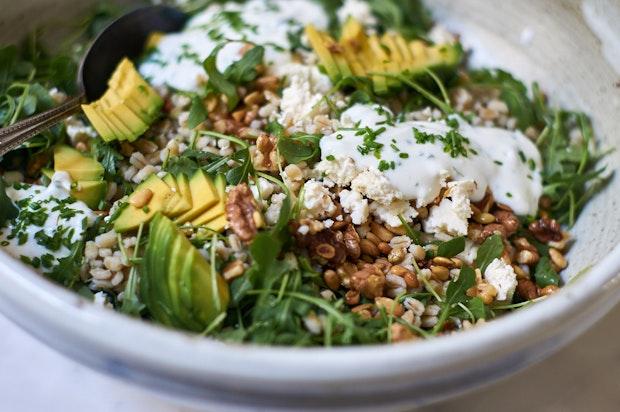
{"points": [[512, 91], [244, 70], [414, 235], [107, 155], [191, 160], [570, 173], [456, 293], [299, 147], [218, 83], [545, 274], [492, 248], [8, 210], [240, 72], [476, 307], [451, 247], [197, 112], [240, 173], [409, 18]]}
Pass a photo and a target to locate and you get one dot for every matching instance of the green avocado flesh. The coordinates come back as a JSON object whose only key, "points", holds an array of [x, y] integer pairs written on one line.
{"points": [[178, 285]]}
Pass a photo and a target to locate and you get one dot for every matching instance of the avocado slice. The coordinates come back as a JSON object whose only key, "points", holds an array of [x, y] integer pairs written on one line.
{"points": [[218, 224], [78, 165], [178, 285], [362, 54], [153, 284], [170, 207], [325, 56], [99, 123], [90, 192], [131, 217], [184, 191], [203, 193], [219, 208], [179, 263], [127, 108]]}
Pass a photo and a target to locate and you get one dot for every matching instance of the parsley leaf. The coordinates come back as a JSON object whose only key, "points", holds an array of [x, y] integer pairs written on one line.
{"points": [[68, 269], [107, 155], [491, 249], [8, 210]]}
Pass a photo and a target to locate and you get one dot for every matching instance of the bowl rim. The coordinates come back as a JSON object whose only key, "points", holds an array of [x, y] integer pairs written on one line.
{"points": [[125, 339]]}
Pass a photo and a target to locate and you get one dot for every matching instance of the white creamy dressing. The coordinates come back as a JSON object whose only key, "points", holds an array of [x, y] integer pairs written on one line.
{"points": [[72, 218], [498, 163], [177, 61]]}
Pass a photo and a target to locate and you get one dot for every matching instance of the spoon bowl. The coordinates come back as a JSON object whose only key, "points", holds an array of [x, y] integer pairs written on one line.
{"points": [[125, 37]]}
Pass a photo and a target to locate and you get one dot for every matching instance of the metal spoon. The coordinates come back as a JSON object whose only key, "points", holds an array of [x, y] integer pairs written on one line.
{"points": [[125, 37]]}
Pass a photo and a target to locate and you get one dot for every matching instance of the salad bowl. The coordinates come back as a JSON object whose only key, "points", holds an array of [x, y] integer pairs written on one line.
{"points": [[554, 43]]}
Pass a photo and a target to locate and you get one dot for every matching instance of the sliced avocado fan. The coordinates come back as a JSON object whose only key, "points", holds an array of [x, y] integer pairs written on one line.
{"points": [[178, 285], [127, 109], [357, 54]]}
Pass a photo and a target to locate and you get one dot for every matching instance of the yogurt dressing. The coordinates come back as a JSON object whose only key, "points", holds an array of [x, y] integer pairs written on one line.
{"points": [[60, 214], [177, 61], [505, 161]]}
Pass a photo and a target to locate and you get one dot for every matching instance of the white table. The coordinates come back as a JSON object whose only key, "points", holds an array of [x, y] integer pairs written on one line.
{"points": [[584, 376]]}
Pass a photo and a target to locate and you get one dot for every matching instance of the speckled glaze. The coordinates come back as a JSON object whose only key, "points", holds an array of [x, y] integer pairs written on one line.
{"points": [[547, 41]]}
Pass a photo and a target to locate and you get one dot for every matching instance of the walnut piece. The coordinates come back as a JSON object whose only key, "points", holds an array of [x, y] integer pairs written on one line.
{"points": [[546, 230], [327, 245], [264, 154], [242, 212]]}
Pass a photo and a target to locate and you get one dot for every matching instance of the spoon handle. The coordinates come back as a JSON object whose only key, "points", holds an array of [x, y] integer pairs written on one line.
{"points": [[16, 134]]}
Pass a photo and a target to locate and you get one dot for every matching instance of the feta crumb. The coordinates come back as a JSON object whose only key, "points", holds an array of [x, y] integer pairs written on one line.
{"points": [[272, 214], [352, 202], [451, 215], [357, 9], [303, 229], [328, 223], [468, 255], [264, 190], [374, 185], [317, 200], [301, 98], [389, 213], [341, 170], [502, 276]]}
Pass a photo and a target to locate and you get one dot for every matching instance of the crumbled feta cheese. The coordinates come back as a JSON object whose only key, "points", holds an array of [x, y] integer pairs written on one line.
{"points": [[301, 98], [317, 200], [357, 9], [264, 190], [303, 229], [468, 255], [352, 202], [389, 213], [450, 216], [273, 211], [77, 129], [502, 276], [374, 185], [340, 170]]}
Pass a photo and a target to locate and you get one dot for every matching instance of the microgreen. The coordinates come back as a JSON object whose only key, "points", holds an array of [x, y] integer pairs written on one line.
{"points": [[451, 247]]}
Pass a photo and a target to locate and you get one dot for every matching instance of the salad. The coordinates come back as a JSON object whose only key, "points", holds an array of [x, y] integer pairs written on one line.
{"points": [[296, 172]]}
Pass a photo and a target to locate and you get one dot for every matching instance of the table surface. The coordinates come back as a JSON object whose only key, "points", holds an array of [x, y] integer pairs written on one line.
{"points": [[583, 376]]}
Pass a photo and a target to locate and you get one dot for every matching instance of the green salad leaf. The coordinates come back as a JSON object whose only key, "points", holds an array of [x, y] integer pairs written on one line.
{"points": [[451, 247], [545, 274], [492, 248]]}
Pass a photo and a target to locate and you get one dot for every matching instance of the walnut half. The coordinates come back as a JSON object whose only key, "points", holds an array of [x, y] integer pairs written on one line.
{"points": [[242, 212]]}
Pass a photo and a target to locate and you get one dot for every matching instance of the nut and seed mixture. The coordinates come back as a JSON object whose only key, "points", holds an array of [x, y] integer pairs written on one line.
{"points": [[286, 195]]}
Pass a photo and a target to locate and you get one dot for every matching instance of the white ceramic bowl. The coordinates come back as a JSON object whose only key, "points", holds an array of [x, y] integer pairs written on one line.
{"points": [[547, 41]]}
